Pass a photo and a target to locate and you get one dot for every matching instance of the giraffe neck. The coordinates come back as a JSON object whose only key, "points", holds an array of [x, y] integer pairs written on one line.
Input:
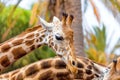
{"points": [[55, 69], [22, 44]]}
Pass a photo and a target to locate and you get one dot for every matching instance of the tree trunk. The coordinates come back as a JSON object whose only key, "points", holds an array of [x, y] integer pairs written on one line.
{"points": [[71, 7]]}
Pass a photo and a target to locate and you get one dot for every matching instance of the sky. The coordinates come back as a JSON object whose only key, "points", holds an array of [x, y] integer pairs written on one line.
{"points": [[112, 26], [24, 3]]}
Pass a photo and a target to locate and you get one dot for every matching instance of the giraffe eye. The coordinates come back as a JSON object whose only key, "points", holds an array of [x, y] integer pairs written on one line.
{"points": [[59, 38]]}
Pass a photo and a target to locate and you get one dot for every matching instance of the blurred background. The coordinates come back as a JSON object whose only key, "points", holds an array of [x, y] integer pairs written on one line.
{"points": [[99, 26]]}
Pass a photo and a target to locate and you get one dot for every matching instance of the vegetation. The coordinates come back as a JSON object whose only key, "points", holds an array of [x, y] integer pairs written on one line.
{"points": [[96, 46], [116, 4], [14, 24]]}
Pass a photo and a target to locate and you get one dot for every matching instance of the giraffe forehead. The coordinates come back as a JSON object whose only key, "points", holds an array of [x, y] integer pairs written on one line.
{"points": [[61, 28], [58, 29], [58, 26]]}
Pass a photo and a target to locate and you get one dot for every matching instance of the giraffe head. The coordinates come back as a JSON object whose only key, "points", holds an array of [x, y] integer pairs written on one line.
{"points": [[114, 70], [60, 37]]}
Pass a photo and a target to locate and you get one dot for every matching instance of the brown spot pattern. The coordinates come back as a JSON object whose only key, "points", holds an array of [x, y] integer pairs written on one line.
{"points": [[30, 30], [43, 36], [45, 64], [29, 42], [18, 52], [5, 47], [37, 40], [59, 64], [80, 65], [46, 75], [41, 39], [62, 74], [32, 70], [38, 45], [37, 34], [30, 36], [80, 72], [4, 61], [32, 47], [19, 77], [89, 67], [90, 77], [17, 42], [34, 28], [79, 75], [88, 71]]}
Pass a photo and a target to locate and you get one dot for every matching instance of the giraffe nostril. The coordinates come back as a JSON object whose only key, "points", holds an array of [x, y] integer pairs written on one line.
{"points": [[59, 37]]}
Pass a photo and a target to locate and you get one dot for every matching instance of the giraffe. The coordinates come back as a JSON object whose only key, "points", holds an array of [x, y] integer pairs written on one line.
{"points": [[55, 69], [57, 34], [113, 72]]}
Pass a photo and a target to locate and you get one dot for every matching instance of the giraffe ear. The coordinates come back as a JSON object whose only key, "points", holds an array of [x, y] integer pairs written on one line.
{"points": [[55, 19], [45, 24]]}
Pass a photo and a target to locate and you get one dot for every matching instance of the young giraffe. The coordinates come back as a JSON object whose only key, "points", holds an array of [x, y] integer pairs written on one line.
{"points": [[57, 34], [55, 69], [113, 72]]}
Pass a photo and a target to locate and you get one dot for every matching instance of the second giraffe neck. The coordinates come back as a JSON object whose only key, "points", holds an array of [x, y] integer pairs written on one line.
{"points": [[22, 44], [55, 69]]}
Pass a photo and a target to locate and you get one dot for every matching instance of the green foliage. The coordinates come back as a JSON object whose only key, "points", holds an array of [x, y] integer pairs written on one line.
{"points": [[116, 4], [2, 5], [100, 38], [20, 18], [96, 45]]}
